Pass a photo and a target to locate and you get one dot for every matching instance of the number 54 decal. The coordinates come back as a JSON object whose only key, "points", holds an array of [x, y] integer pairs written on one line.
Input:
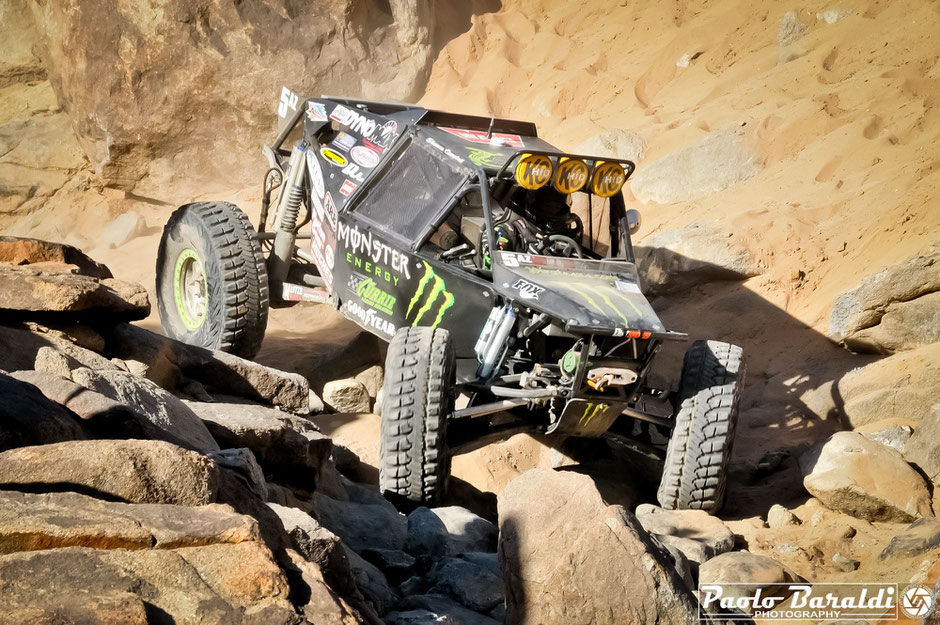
{"points": [[288, 102]]}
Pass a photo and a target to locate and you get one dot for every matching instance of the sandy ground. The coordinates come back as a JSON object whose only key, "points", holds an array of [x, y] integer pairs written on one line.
{"points": [[845, 121]]}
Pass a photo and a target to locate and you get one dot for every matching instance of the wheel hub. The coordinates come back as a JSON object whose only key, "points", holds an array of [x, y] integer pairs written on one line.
{"points": [[189, 286]]}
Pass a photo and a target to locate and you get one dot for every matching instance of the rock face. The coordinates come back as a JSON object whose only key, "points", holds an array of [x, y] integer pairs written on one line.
{"points": [[51, 288], [567, 557], [132, 124], [27, 417], [133, 471], [157, 405], [289, 447], [922, 536], [923, 449], [677, 259], [20, 251], [894, 310], [855, 475], [697, 534], [375, 524], [717, 162]]}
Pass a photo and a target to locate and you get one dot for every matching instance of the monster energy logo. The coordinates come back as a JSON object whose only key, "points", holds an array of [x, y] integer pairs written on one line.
{"points": [[483, 158], [431, 293], [372, 295], [591, 410]]}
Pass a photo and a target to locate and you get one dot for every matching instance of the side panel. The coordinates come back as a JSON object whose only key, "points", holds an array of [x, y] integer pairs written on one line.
{"points": [[383, 288]]}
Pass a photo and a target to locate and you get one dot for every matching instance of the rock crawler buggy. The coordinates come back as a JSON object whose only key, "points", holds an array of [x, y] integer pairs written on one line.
{"points": [[500, 269]]}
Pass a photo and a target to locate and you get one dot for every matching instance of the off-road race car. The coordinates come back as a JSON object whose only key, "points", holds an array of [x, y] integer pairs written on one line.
{"points": [[500, 269]]}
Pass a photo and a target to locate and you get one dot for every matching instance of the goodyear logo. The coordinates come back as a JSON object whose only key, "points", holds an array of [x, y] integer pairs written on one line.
{"points": [[371, 295], [430, 298]]}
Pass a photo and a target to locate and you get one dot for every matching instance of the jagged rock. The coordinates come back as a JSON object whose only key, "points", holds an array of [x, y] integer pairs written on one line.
{"points": [[134, 471], [674, 260], [473, 586], [347, 396], [718, 161], [371, 582], [697, 534], [778, 516], [321, 603], [225, 372], [20, 346], [466, 531], [922, 536], [243, 463], [290, 448], [895, 437], [31, 522], [427, 534], [362, 525], [100, 416], [395, 565], [852, 474], [373, 378], [902, 297], [444, 610], [489, 561], [219, 582], [157, 405], [29, 289], [746, 571], [21, 251], [27, 417], [569, 557], [924, 447]]}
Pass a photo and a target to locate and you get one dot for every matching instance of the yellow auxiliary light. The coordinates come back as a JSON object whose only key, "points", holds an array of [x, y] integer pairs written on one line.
{"points": [[533, 171], [570, 175], [608, 178]]}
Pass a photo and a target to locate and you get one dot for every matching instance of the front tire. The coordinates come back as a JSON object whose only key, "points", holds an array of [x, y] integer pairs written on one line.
{"points": [[695, 471], [418, 396], [212, 286]]}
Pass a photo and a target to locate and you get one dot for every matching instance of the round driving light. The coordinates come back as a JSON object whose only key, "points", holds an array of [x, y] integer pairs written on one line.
{"points": [[570, 175], [533, 171], [608, 178]]}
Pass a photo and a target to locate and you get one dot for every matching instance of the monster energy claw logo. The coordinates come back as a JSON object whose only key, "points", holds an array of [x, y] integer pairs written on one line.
{"points": [[431, 293], [591, 410]]}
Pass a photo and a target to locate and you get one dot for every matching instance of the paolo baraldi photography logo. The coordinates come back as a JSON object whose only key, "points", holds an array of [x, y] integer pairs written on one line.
{"points": [[812, 601]]}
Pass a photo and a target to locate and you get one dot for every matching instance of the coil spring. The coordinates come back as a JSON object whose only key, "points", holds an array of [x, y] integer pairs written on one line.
{"points": [[289, 219]]}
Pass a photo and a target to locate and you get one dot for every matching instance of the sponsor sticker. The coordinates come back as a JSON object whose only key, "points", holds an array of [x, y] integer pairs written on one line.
{"points": [[364, 156], [364, 243], [334, 157], [430, 301], [316, 112], [330, 209], [347, 187], [484, 158], [316, 174], [571, 175], [527, 290], [479, 136], [353, 172], [450, 153], [344, 141], [369, 317], [533, 171], [287, 103]]}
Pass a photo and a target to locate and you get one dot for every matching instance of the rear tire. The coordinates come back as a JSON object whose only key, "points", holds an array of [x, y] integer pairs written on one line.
{"points": [[418, 396], [212, 285], [695, 471]]}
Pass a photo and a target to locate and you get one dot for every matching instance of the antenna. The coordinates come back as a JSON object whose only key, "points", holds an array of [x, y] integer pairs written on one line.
{"points": [[489, 131]]}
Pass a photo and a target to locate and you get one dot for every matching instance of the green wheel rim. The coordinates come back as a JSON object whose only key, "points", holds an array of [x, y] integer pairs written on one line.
{"points": [[189, 289]]}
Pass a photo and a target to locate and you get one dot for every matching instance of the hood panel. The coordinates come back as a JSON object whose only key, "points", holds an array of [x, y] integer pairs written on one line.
{"points": [[587, 295]]}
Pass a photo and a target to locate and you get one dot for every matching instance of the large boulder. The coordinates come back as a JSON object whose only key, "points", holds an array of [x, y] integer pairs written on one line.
{"points": [[28, 346], [852, 474], [150, 110], [372, 524], [133, 471], [101, 416], [347, 396], [21, 251], [674, 260], [718, 161], [740, 574], [161, 408], [923, 449], [27, 417], [568, 557], [225, 372], [288, 447], [52, 288], [697, 534], [895, 309], [474, 586], [899, 387]]}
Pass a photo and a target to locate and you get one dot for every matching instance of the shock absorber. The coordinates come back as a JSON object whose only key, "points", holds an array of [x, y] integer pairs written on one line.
{"points": [[287, 211]]}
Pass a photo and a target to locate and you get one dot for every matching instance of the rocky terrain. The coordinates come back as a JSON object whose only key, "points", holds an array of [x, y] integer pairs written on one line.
{"points": [[787, 179]]}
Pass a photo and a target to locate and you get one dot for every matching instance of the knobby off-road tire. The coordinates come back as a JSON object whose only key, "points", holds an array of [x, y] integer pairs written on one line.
{"points": [[695, 471], [418, 397], [217, 240]]}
